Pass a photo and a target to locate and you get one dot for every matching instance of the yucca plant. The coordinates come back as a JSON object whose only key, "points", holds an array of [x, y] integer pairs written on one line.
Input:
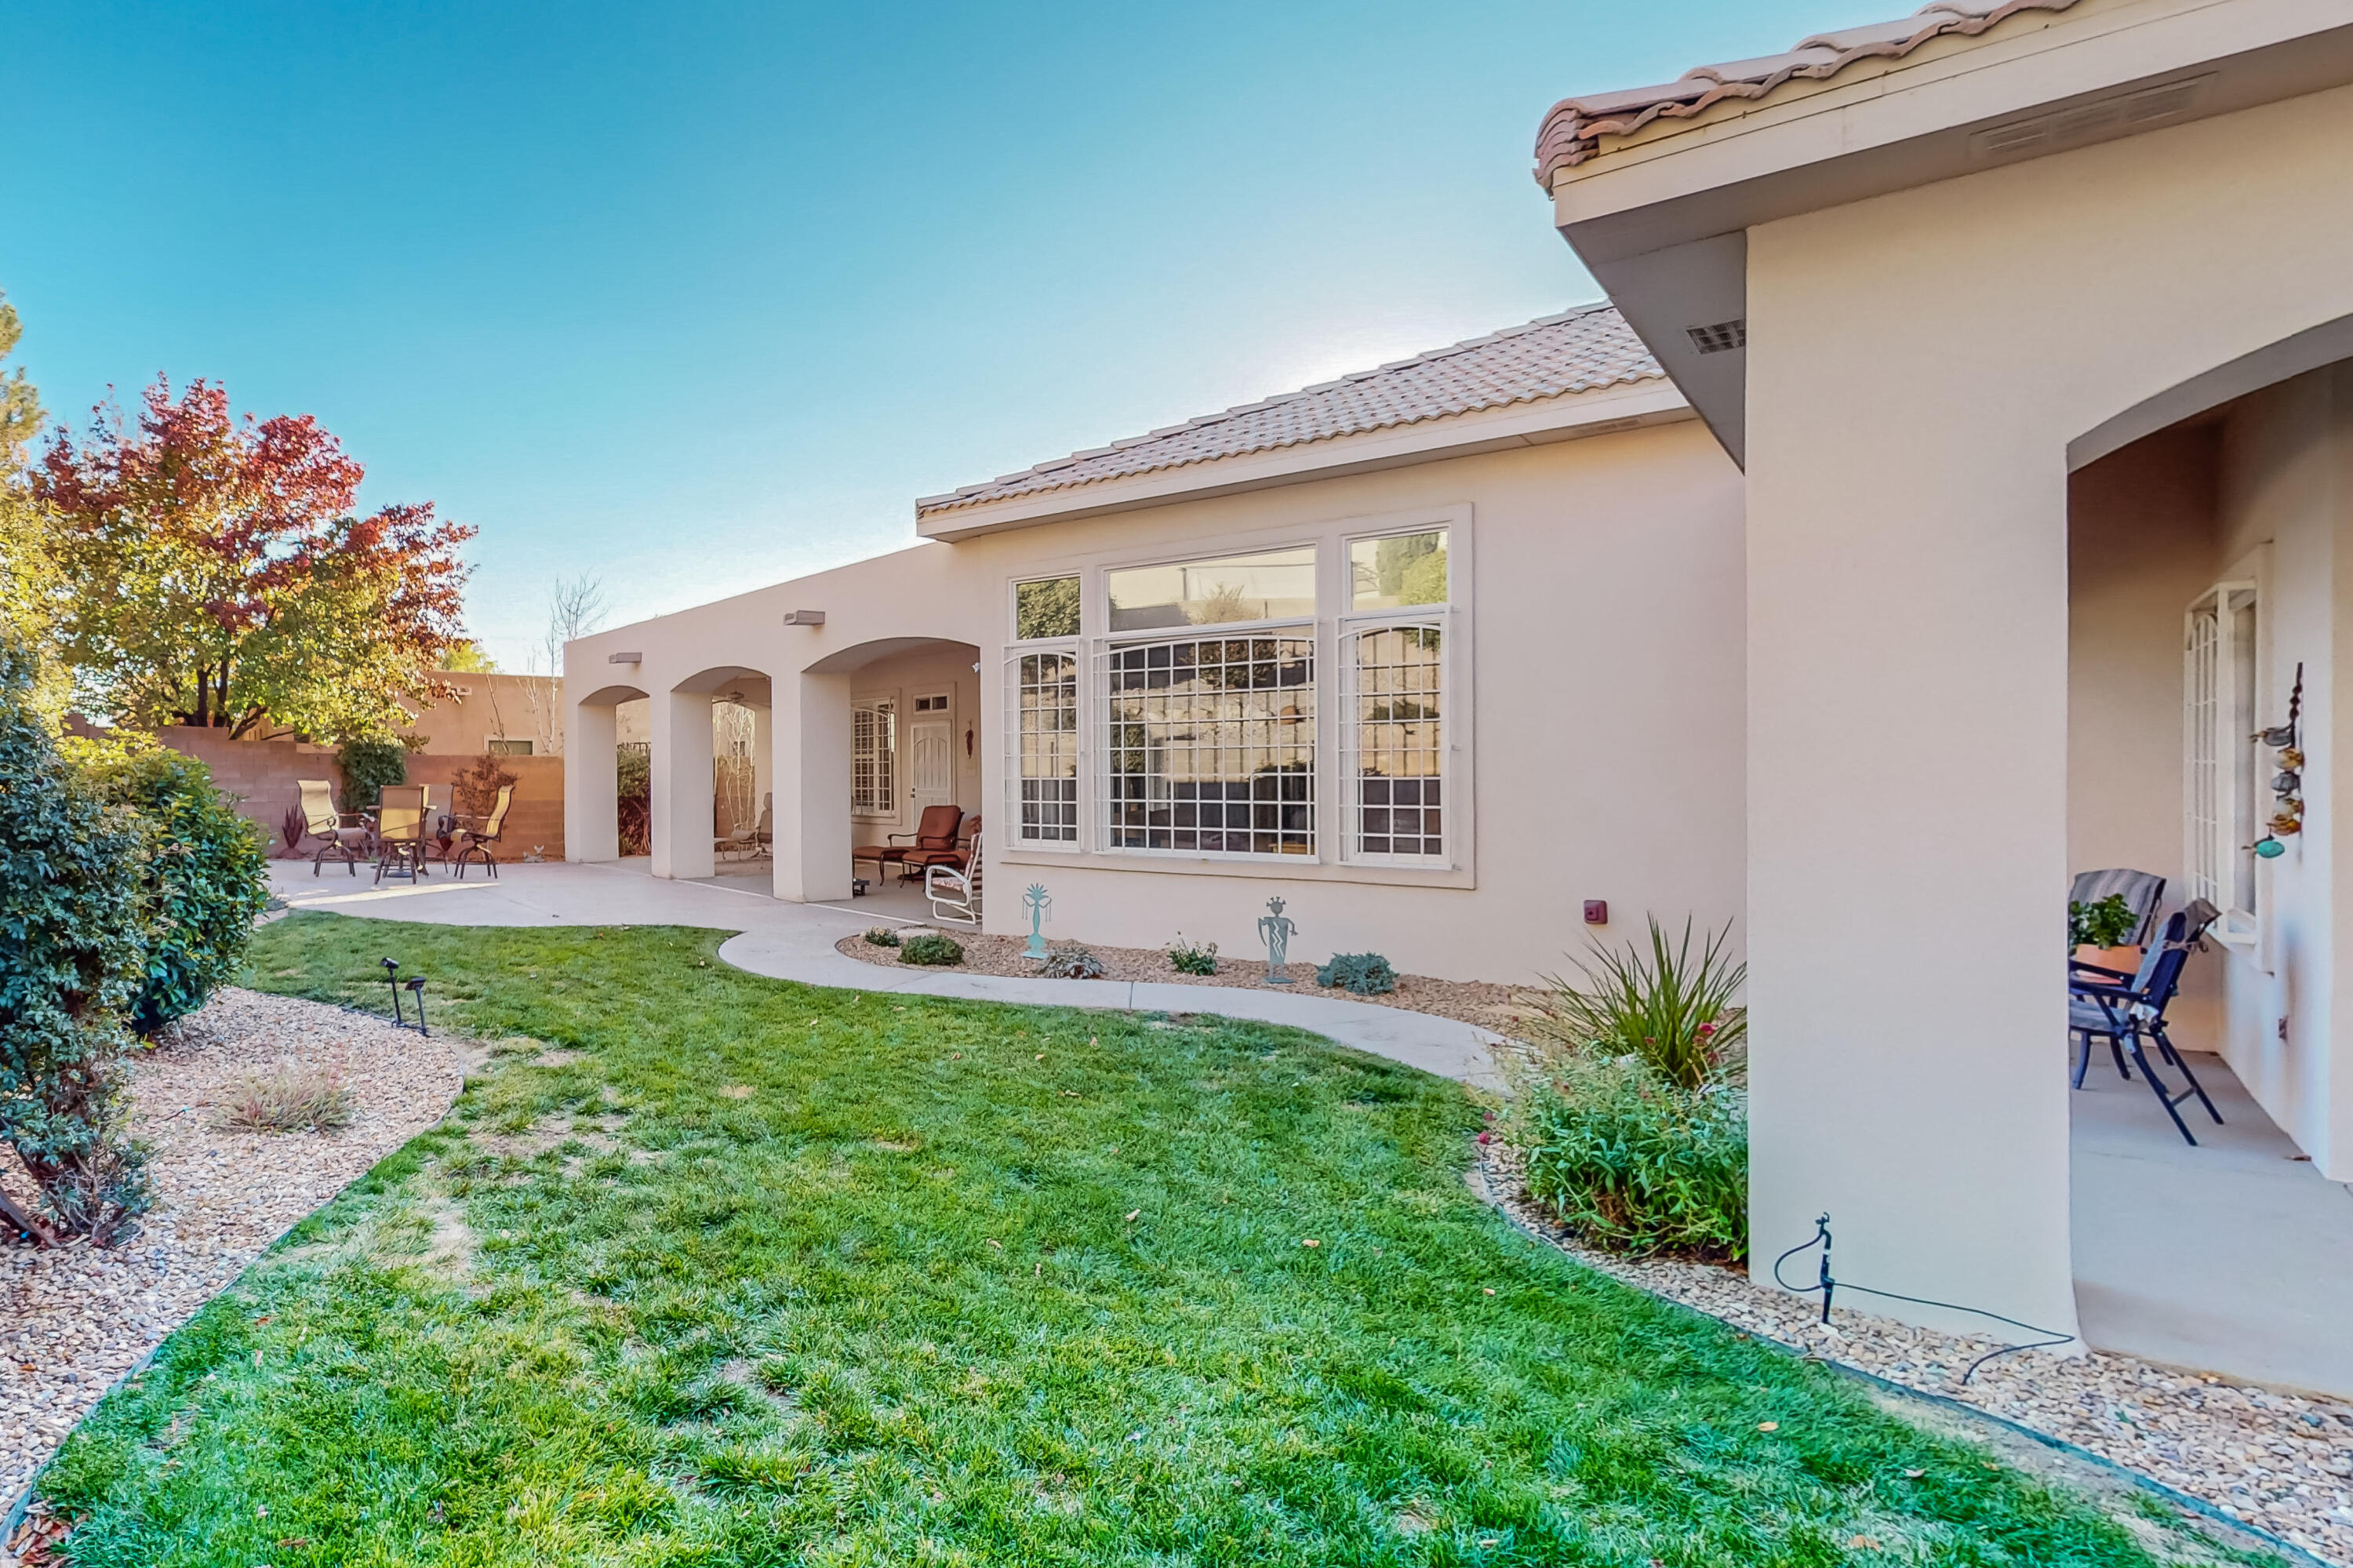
{"points": [[1671, 1008]]}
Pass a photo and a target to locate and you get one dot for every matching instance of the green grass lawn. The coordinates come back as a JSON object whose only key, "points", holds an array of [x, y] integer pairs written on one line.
{"points": [[768, 1275]]}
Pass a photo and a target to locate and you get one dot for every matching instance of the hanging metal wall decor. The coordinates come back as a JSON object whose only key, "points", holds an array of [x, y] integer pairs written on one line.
{"points": [[2287, 784]]}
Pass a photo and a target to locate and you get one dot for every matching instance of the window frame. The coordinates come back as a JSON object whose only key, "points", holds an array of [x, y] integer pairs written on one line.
{"points": [[885, 703], [1069, 648], [1331, 537], [2218, 736]]}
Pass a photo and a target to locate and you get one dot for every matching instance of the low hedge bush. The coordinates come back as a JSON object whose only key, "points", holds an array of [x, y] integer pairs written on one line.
{"points": [[1366, 974], [206, 875], [1633, 1163], [931, 948]]}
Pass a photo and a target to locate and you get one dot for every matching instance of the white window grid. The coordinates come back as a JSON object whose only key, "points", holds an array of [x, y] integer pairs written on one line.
{"points": [[874, 759], [1207, 743], [1393, 739], [1044, 702], [2222, 783]]}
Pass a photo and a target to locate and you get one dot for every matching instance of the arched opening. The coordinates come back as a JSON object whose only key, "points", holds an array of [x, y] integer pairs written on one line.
{"points": [[2204, 529], [888, 734], [712, 778], [603, 795]]}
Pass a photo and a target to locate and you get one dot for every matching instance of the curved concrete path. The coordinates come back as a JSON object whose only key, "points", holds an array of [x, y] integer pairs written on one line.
{"points": [[795, 942]]}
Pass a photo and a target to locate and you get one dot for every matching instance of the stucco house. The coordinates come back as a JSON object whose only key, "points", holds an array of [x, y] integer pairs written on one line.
{"points": [[1957, 478]]}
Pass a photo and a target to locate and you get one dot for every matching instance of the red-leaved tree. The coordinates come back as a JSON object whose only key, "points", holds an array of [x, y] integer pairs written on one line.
{"points": [[217, 575]]}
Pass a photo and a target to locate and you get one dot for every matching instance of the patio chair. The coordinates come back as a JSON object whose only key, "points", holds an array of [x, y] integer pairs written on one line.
{"points": [[2141, 891], [751, 842], [954, 856], [478, 837], [935, 830], [345, 836], [2126, 1014], [955, 890], [400, 831]]}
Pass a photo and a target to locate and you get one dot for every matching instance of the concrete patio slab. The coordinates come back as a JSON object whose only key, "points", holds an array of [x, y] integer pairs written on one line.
{"points": [[2235, 1253], [795, 942]]}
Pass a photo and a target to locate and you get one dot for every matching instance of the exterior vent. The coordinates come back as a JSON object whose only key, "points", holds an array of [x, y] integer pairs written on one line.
{"points": [[1720, 337], [2118, 116]]}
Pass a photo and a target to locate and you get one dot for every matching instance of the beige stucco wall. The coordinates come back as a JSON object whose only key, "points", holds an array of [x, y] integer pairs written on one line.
{"points": [[1917, 364], [1602, 740], [495, 706]]}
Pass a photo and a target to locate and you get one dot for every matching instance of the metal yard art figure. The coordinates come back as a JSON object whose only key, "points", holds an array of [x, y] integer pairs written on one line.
{"points": [[1036, 900], [1276, 929]]}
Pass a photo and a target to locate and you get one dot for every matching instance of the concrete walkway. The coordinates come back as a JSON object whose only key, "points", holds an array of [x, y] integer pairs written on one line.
{"points": [[795, 942]]}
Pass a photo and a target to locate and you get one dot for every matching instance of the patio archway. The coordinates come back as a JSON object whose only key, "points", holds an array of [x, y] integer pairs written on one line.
{"points": [[695, 763], [592, 793]]}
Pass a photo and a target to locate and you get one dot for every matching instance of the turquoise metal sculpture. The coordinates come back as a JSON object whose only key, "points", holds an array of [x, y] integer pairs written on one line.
{"points": [[1277, 929], [1036, 900]]}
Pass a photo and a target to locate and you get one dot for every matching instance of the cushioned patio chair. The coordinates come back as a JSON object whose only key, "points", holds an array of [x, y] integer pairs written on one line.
{"points": [[400, 836], [477, 838], [955, 890], [345, 836], [2141, 891], [935, 830], [920, 861], [2125, 1014]]}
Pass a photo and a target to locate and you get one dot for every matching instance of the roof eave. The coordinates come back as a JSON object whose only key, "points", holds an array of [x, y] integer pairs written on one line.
{"points": [[1653, 400]]}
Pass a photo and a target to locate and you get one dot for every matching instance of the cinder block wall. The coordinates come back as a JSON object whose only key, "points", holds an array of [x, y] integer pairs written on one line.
{"points": [[265, 775]]}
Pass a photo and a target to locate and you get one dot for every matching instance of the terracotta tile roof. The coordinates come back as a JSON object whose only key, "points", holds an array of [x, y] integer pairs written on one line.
{"points": [[1573, 130], [1580, 350]]}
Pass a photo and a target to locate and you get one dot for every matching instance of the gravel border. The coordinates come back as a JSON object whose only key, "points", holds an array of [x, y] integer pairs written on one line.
{"points": [[1483, 1002], [2280, 1462], [77, 1319]]}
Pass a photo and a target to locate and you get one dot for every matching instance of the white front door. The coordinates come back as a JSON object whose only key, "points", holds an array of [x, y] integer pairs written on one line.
{"points": [[931, 764]]}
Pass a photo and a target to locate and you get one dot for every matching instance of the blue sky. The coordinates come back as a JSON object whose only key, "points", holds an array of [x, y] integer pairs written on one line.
{"points": [[698, 297]]}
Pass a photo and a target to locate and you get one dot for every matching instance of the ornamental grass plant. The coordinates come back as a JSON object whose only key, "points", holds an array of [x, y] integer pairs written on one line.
{"points": [[1671, 1008]]}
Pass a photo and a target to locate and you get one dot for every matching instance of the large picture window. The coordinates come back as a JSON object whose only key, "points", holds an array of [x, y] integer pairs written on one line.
{"points": [[1210, 746], [1046, 748], [873, 759]]}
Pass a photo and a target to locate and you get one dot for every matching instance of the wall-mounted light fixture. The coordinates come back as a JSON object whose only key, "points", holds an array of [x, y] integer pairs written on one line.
{"points": [[804, 617], [626, 658]]}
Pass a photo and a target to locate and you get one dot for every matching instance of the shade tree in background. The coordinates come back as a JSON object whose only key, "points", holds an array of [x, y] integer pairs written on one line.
{"points": [[216, 573]]}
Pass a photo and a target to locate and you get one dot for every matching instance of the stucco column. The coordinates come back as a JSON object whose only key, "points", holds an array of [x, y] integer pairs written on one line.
{"points": [[1907, 871], [682, 820], [591, 794], [812, 774]]}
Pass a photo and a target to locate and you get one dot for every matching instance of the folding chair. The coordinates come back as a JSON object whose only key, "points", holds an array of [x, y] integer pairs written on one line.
{"points": [[2125, 1015]]}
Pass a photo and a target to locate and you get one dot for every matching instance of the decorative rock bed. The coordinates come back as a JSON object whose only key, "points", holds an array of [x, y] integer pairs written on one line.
{"points": [[74, 1319], [2281, 1462], [1481, 1003]]}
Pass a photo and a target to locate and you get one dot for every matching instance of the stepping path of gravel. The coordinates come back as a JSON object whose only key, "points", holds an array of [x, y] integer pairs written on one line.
{"points": [[73, 1319]]}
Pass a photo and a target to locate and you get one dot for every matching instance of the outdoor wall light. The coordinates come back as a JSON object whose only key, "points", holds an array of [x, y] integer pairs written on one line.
{"points": [[804, 617]]}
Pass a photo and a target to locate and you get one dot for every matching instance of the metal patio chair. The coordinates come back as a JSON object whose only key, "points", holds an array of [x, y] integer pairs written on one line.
{"points": [[2141, 891], [2126, 1014], [478, 837], [752, 841], [955, 890], [346, 835], [919, 860], [400, 837]]}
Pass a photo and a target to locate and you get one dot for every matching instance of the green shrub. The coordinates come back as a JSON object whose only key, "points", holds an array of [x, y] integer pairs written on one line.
{"points": [[1366, 974], [1192, 957], [882, 937], [368, 763], [1071, 963], [1632, 1164], [72, 954], [207, 877], [1671, 1009], [2103, 923], [931, 947]]}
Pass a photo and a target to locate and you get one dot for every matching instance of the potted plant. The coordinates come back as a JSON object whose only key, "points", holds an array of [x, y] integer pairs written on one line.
{"points": [[2100, 931]]}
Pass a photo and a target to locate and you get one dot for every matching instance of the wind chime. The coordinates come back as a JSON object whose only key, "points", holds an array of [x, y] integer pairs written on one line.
{"points": [[2287, 784]]}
